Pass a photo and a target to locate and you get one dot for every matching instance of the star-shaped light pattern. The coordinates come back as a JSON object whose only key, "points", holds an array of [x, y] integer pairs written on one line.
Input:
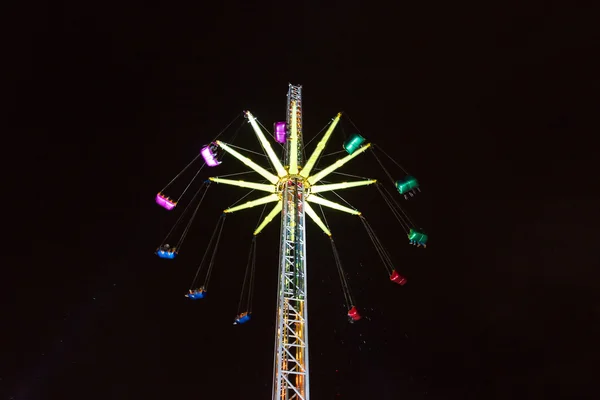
{"points": [[286, 173]]}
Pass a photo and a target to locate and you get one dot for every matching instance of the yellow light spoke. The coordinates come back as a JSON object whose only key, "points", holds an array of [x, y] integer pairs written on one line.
{"points": [[322, 174], [320, 147], [281, 172], [316, 219], [294, 141], [276, 210], [268, 176], [331, 204], [250, 185], [340, 186], [253, 203]]}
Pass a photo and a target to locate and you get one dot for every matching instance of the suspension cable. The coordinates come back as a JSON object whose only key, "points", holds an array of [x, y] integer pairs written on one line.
{"points": [[227, 127], [395, 202], [394, 209], [249, 151], [260, 217], [180, 172], [236, 173], [233, 137], [380, 149], [222, 217], [182, 214], [338, 264], [194, 159], [345, 288], [383, 168], [350, 175], [324, 217], [314, 137], [236, 133], [242, 198], [190, 184], [355, 127], [269, 132], [304, 153], [247, 274], [341, 198], [264, 153], [187, 228], [390, 157], [334, 153], [321, 155], [212, 258], [343, 130], [252, 273], [381, 251]]}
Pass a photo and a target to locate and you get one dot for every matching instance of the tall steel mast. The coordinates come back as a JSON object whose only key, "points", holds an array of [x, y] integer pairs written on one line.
{"points": [[290, 377]]}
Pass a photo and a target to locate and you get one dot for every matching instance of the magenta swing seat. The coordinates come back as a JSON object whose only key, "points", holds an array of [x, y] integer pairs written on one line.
{"points": [[209, 153], [280, 132], [165, 201]]}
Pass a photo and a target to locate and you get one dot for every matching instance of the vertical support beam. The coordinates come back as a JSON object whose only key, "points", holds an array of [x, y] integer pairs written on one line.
{"points": [[303, 383], [294, 141], [290, 377]]}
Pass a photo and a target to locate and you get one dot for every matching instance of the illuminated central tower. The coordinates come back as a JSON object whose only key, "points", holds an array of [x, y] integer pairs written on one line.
{"points": [[291, 379]]}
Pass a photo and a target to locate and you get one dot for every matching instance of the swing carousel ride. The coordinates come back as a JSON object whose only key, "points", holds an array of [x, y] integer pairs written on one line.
{"points": [[294, 185]]}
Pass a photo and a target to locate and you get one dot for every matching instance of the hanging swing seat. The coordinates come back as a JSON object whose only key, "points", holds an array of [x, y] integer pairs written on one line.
{"points": [[209, 153], [353, 143], [196, 294], [407, 185], [417, 238], [242, 318], [397, 278], [353, 314], [280, 132], [165, 201], [166, 252]]}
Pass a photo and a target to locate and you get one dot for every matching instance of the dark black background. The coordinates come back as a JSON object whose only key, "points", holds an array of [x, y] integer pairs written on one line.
{"points": [[490, 106]]}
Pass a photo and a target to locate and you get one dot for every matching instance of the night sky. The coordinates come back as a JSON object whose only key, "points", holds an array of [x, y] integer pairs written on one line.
{"points": [[490, 107]]}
